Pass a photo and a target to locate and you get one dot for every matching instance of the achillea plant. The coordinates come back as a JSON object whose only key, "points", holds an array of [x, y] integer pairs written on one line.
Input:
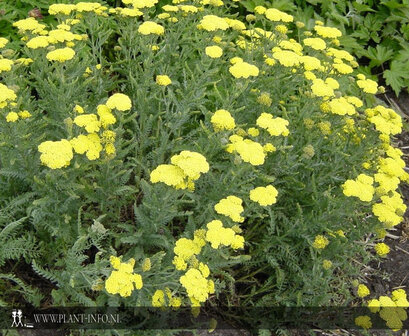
{"points": [[197, 141]]}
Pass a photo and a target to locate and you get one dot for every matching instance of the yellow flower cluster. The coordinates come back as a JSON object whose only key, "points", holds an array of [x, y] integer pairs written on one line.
{"points": [[141, 3], [274, 126], [320, 242], [5, 64], [91, 144], [390, 172], [235, 24], [326, 264], [61, 35], [321, 89], [340, 54], [367, 85], [128, 12], [287, 58], [217, 236], [275, 15], [159, 299], [341, 106], [265, 99], [382, 249], [212, 23], [195, 281], [38, 42], [89, 121], [362, 188], [56, 154], [391, 309], [231, 206], [61, 55], [3, 42], [29, 24], [197, 286], [222, 120], [243, 69], [150, 27], [90, 7], [214, 51], [363, 291], [390, 210], [186, 167], [122, 280], [327, 32], [185, 249], [64, 9], [315, 43], [6, 95], [386, 120], [119, 101], [163, 80], [146, 265], [311, 63], [363, 321], [264, 195], [249, 150], [12, 117]]}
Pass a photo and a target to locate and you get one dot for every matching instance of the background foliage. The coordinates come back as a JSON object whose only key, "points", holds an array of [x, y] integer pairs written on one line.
{"points": [[377, 32]]}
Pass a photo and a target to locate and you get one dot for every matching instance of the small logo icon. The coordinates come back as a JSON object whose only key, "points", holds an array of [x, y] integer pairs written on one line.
{"points": [[17, 315]]}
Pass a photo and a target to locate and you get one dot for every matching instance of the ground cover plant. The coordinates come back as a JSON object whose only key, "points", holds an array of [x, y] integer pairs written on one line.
{"points": [[176, 156]]}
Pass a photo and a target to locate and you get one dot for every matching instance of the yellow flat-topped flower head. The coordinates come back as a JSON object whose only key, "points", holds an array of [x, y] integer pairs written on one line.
{"points": [[119, 101], [163, 80], [61, 55], [150, 27]]}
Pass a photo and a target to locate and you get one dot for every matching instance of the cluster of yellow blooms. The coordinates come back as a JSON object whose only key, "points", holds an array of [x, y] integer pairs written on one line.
{"points": [[6, 96], [241, 69], [222, 120], [122, 280], [363, 291], [390, 309], [214, 51], [250, 151], [185, 168], [218, 235], [150, 27], [195, 281], [230, 207], [163, 80], [58, 154], [274, 126], [320, 242], [390, 172], [362, 188], [264, 195], [160, 300]]}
